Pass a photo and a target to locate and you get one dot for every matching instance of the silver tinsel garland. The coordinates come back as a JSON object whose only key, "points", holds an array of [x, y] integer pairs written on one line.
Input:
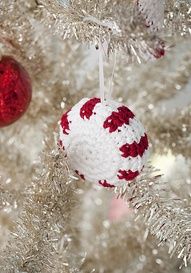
{"points": [[42, 223], [165, 217]]}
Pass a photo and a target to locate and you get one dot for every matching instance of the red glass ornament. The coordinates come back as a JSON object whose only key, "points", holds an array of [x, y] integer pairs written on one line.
{"points": [[15, 90]]}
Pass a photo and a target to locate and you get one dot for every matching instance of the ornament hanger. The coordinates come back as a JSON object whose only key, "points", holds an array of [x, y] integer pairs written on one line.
{"points": [[103, 95], [112, 77], [101, 73], [114, 29]]}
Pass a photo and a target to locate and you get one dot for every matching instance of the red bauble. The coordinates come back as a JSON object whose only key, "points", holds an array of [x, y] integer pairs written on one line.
{"points": [[15, 90]]}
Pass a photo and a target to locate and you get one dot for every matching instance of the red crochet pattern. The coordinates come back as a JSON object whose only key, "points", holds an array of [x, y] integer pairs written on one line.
{"points": [[65, 123], [106, 184], [88, 107], [127, 175], [117, 119], [135, 149], [80, 175]]}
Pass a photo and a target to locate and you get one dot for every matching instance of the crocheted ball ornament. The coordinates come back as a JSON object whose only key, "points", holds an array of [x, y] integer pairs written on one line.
{"points": [[104, 142]]}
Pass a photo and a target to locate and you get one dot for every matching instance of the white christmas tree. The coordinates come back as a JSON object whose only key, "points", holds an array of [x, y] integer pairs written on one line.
{"points": [[53, 221]]}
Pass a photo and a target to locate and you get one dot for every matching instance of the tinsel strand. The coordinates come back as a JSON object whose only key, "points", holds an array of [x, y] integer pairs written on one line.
{"points": [[42, 232], [127, 29], [167, 219], [88, 21], [172, 132]]}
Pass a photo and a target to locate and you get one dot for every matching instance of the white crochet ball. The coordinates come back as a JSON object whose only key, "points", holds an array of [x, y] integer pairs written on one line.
{"points": [[104, 142]]}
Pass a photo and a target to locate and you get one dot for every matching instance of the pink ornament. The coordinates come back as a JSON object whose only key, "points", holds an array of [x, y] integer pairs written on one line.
{"points": [[118, 209]]}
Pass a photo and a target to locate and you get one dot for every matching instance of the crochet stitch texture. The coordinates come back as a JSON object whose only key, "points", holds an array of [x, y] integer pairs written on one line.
{"points": [[104, 142]]}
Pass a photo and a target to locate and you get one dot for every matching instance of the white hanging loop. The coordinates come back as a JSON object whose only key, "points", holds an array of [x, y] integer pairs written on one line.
{"points": [[101, 73], [112, 77]]}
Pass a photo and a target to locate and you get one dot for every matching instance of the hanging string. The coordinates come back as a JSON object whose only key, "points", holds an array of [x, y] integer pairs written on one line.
{"points": [[112, 77], [101, 73], [114, 29]]}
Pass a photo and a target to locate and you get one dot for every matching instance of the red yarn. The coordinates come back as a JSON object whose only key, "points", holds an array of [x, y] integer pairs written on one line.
{"points": [[117, 119], [88, 107], [135, 148], [127, 175], [80, 175], [106, 184], [145, 142], [65, 123]]}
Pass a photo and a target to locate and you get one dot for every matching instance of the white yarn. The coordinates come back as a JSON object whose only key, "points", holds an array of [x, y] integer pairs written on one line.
{"points": [[93, 151], [101, 73]]}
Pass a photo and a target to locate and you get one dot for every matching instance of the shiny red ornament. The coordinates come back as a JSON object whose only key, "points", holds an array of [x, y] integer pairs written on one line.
{"points": [[15, 90]]}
